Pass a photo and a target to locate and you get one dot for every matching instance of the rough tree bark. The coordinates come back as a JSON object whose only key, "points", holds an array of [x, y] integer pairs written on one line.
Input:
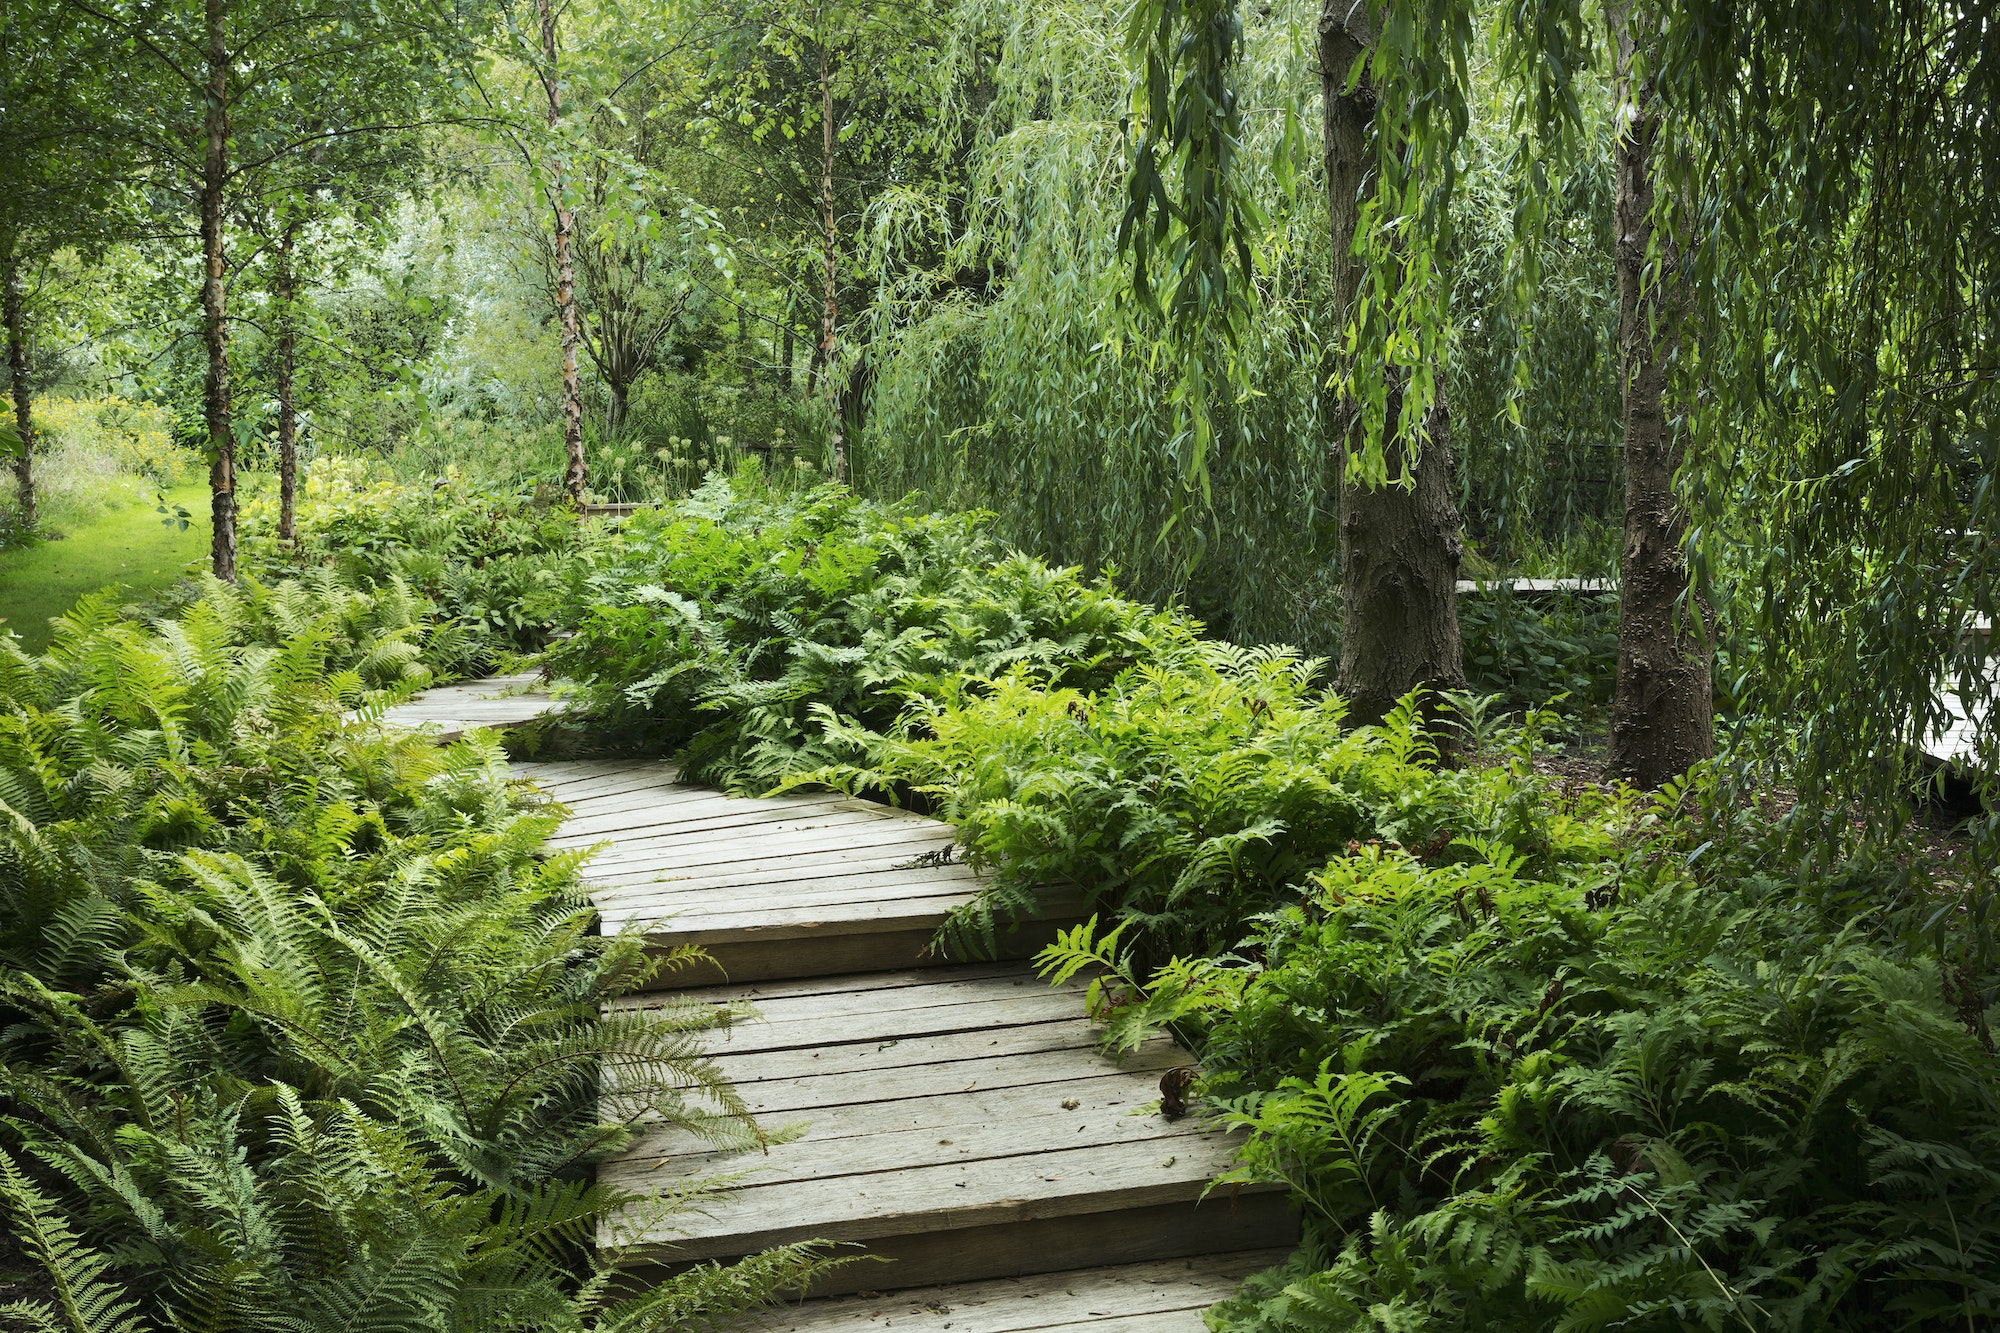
{"points": [[576, 473], [829, 318], [17, 369], [1399, 547], [214, 300], [1662, 719], [287, 358]]}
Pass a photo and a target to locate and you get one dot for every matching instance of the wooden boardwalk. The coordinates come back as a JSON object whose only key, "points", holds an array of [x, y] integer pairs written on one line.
{"points": [[453, 710], [956, 1119]]}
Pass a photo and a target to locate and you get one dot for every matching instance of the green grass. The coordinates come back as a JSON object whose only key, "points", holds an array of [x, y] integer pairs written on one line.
{"points": [[124, 544]]}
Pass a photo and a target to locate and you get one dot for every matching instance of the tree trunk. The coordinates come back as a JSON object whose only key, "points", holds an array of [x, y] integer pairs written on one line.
{"points": [[1399, 546], [576, 473], [829, 318], [1662, 720], [785, 367], [214, 303], [621, 400], [288, 417], [17, 369]]}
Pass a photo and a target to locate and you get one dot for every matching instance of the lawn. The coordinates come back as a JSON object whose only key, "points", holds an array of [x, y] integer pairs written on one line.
{"points": [[126, 544]]}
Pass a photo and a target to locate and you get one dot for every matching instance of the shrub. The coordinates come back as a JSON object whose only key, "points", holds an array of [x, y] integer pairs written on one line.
{"points": [[1531, 652], [1189, 795]]}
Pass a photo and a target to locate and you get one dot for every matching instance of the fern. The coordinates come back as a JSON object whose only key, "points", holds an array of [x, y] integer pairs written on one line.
{"points": [[84, 1301], [303, 1029]]}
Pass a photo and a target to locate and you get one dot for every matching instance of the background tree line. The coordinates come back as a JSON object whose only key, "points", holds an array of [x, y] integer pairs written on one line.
{"points": [[1297, 313]]}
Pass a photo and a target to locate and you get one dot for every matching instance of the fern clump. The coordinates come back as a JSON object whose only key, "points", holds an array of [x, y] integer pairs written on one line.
{"points": [[1511, 1092], [299, 1026], [474, 575], [757, 632]]}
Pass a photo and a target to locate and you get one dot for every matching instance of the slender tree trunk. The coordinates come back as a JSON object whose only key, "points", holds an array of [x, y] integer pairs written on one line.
{"points": [[1663, 718], [621, 400], [214, 302], [576, 473], [1399, 546], [785, 366], [288, 416], [829, 319], [17, 369]]}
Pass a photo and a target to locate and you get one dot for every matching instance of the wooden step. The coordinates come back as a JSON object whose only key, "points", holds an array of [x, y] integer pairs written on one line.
{"points": [[1162, 1297], [802, 885], [452, 710], [959, 1122]]}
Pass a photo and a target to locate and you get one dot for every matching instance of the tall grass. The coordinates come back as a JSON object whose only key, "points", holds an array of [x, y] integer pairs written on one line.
{"points": [[93, 455]]}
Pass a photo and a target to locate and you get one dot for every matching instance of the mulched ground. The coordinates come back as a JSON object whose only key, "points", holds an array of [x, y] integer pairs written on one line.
{"points": [[21, 1278]]}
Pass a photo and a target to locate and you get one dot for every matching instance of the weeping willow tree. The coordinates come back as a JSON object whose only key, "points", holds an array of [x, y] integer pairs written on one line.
{"points": [[1843, 177], [1024, 391], [1015, 373]]}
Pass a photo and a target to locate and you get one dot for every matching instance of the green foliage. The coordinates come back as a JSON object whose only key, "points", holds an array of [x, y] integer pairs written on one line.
{"points": [[1552, 1077], [1011, 377], [474, 574], [1531, 652], [300, 1027], [1188, 797], [775, 637]]}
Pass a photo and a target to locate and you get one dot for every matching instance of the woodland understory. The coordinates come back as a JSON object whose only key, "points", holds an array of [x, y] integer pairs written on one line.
{"points": [[1073, 421]]}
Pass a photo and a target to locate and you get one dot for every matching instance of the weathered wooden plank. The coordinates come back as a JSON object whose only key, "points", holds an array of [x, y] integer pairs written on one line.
{"points": [[831, 998], [667, 930], [447, 712], [800, 1097], [747, 852], [550, 774], [653, 779], [810, 1022], [797, 893], [1103, 1092], [812, 889], [935, 1198], [682, 822], [762, 829], [1034, 1126], [664, 794], [895, 1059], [833, 882], [804, 922], [1165, 1296], [823, 864]]}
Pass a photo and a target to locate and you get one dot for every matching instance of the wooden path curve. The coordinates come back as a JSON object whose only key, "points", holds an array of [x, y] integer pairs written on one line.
{"points": [[453, 710], [954, 1119]]}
